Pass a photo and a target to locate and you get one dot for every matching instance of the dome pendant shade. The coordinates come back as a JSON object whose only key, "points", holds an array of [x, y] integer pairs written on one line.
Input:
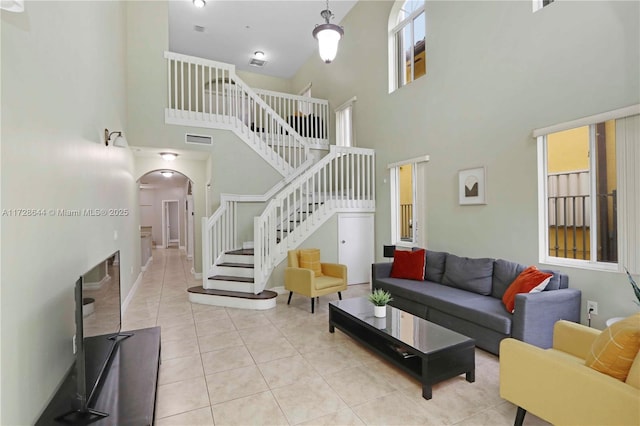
{"points": [[328, 36]]}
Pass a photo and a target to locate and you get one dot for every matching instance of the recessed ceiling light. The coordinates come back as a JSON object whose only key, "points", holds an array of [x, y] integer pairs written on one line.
{"points": [[199, 3], [167, 174], [168, 156], [259, 54]]}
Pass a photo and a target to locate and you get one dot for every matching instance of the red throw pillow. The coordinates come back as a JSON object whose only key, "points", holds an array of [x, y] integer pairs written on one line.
{"points": [[531, 280], [408, 264]]}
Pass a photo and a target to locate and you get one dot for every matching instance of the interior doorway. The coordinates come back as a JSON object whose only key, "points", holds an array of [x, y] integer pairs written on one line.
{"points": [[166, 210], [170, 224], [409, 202]]}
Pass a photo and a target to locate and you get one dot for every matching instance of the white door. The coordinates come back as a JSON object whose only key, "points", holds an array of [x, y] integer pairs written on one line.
{"points": [[356, 245], [190, 236]]}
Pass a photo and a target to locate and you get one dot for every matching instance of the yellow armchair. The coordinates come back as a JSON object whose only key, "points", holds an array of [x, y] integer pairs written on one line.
{"points": [[556, 385], [303, 281]]}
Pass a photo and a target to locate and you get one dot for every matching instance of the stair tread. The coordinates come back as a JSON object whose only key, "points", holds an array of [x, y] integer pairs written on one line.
{"points": [[237, 265], [241, 252], [265, 294], [230, 278]]}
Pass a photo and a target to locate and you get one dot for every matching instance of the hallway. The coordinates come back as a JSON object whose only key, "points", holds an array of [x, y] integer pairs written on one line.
{"points": [[281, 366]]}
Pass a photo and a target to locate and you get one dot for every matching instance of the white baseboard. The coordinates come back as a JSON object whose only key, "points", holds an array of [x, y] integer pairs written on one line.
{"points": [[146, 265], [280, 289], [96, 285], [183, 248], [196, 275], [132, 292]]}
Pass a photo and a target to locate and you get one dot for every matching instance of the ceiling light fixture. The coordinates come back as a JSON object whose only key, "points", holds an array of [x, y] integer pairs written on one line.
{"points": [[167, 174], [16, 6], [259, 54], [328, 36], [168, 156], [199, 3]]}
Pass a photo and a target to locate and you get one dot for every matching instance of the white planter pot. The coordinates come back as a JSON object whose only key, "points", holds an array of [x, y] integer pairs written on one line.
{"points": [[379, 311]]}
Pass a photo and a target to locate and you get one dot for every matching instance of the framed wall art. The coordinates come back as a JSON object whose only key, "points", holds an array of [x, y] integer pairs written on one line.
{"points": [[472, 186]]}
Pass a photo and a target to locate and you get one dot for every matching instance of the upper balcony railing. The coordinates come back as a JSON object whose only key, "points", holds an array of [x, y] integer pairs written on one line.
{"points": [[207, 93], [308, 116]]}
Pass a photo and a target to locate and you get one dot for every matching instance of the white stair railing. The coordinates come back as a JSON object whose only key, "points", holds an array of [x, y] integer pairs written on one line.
{"points": [[207, 93], [342, 181], [220, 231], [308, 116]]}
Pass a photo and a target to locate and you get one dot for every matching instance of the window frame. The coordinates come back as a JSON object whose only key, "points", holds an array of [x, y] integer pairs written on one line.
{"points": [[347, 106], [543, 205], [395, 61]]}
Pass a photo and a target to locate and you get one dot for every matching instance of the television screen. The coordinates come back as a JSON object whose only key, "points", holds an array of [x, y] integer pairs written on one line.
{"points": [[101, 318]]}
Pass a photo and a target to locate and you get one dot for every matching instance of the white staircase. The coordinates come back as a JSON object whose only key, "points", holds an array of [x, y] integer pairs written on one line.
{"points": [[281, 128]]}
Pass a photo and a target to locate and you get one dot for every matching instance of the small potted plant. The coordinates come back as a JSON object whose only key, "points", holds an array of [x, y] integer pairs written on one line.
{"points": [[380, 298], [636, 290]]}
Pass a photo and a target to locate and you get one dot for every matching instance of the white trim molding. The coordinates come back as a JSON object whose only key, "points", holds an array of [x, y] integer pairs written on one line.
{"points": [[592, 119]]}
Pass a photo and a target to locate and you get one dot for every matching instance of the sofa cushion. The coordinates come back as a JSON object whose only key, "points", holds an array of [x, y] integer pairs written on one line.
{"points": [[615, 348], [475, 308], [468, 274], [554, 282], [504, 273], [531, 280], [310, 259], [434, 270], [408, 264], [633, 379], [325, 281]]}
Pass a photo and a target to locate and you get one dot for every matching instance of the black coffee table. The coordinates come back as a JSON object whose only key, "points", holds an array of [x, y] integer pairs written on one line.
{"points": [[425, 350]]}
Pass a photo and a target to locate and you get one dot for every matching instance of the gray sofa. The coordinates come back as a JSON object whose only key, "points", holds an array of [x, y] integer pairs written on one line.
{"points": [[465, 295]]}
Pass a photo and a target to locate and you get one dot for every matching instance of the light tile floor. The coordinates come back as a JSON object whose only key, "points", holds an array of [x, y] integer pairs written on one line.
{"points": [[228, 366]]}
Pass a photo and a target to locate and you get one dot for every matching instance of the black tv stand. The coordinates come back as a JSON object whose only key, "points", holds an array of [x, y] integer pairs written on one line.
{"points": [[127, 393], [123, 335]]}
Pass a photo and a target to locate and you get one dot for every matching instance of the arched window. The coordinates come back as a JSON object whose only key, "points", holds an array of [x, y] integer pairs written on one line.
{"points": [[407, 31]]}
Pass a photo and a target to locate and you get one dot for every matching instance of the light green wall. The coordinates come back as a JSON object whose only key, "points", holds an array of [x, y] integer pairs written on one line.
{"points": [[496, 72], [233, 166], [63, 82]]}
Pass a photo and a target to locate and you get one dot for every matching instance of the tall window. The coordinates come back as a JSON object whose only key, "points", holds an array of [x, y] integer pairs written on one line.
{"points": [[407, 36], [589, 192], [539, 4], [344, 124]]}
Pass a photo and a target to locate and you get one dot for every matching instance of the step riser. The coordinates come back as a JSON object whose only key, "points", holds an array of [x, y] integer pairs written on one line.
{"points": [[232, 302], [233, 271], [230, 286], [237, 258]]}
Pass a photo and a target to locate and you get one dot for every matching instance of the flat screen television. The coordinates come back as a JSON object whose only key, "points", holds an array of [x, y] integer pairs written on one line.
{"points": [[98, 323]]}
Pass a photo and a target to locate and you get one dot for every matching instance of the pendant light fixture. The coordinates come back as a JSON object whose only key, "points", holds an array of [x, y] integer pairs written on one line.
{"points": [[328, 36]]}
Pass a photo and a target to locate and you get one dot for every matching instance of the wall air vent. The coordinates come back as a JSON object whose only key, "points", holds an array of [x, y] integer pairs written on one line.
{"points": [[198, 139], [257, 62]]}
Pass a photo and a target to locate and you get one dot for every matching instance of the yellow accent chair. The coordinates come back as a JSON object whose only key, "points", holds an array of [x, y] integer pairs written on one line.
{"points": [[305, 282], [556, 385]]}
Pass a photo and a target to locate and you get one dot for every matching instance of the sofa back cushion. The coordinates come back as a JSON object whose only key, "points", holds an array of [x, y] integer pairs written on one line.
{"points": [[504, 273], [435, 266], [468, 274], [555, 282]]}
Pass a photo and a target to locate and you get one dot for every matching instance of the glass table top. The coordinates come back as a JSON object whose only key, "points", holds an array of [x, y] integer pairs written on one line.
{"points": [[409, 329]]}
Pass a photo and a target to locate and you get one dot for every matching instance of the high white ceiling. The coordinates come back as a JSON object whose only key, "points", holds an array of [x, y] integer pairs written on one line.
{"points": [[235, 29]]}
